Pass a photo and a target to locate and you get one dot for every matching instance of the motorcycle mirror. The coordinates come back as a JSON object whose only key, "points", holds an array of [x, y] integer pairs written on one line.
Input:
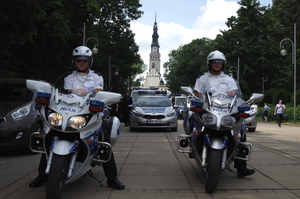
{"points": [[255, 97], [186, 90]]}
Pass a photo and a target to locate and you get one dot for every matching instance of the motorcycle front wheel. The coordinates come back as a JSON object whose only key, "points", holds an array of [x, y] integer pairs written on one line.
{"points": [[57, 176], [213, 170]]}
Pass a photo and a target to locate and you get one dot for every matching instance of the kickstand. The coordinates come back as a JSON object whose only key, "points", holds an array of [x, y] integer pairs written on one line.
{"points": [[229, 169], [92, 175]]}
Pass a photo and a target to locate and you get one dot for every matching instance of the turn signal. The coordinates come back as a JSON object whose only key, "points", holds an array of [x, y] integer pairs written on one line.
{"points": [[96, 106], [43, 98]]}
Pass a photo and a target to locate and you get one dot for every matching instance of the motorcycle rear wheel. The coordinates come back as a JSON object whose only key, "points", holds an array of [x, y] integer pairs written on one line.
{"points": [[57, 176], [213, 170]]}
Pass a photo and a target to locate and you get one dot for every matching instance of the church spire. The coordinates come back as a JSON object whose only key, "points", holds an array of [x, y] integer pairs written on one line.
{"points": [[155, 35]]}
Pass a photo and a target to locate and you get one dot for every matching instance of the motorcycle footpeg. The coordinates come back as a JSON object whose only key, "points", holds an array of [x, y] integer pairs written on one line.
{"points": [[103, 153]]}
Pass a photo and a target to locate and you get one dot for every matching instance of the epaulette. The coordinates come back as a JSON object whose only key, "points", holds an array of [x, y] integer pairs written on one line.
{"points": [[97, 73], [200, 75], [227, 74]]}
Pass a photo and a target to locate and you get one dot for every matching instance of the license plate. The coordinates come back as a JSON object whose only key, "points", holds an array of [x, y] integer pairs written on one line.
{"points": [[153, 121]]}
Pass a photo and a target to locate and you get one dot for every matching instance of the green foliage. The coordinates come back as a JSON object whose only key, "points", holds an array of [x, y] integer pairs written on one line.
{"points": [[38, 37], [187, 63], [253, 38]]}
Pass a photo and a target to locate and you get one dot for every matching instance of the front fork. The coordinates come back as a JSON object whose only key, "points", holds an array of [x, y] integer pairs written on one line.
{"points": [[64, 148]]}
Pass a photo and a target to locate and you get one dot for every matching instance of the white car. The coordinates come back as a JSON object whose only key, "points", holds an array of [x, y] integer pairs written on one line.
{"points": [[153, 109]]}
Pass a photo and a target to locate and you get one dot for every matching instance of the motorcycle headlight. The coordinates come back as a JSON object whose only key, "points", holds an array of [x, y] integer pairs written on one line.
{"points": [[172, 113], [77, 122], [137, 114], [209, 119], [55, 119], [228, 121], [21, 112]]}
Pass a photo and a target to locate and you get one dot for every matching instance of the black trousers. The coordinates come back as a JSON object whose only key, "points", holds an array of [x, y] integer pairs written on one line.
{"points": [[241, 164], [126, 116], [279, 118]]}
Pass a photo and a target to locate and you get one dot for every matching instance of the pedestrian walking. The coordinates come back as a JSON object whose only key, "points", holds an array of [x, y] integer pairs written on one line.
{"points": [[266, 111], [279, 108]]}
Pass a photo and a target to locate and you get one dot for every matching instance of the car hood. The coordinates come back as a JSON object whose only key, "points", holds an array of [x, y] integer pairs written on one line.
{"points": [[7, 107], [154, 109]]}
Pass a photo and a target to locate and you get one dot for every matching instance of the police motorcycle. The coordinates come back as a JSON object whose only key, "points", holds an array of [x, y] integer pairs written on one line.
{"points": [[72, 132], [214, 132]]}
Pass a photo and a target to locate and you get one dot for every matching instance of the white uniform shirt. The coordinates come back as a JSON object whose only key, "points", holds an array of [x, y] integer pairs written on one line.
{"points": [[254, 108], [220, 84], [279, 109], [89, 82]]}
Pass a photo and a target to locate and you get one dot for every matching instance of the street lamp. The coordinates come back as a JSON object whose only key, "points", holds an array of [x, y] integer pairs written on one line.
{"points": [[283, 53], [109, 72], [95, 49]]}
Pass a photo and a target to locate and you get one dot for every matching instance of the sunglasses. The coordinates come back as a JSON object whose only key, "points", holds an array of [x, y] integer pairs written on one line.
{"points": [[80, 60], [217, 61]]}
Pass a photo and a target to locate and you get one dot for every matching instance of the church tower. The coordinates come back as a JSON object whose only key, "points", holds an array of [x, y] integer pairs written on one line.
{"points": [[154, 61], [153, 77]]}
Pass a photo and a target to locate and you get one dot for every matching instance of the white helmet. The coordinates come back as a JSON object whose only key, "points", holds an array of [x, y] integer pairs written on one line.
{"points": [[82, 52], [216, 56]]}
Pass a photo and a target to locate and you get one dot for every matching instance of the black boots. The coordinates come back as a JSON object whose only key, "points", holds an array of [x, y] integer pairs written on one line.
{"points": [[40, 179], [241, 173], [114, 183]]}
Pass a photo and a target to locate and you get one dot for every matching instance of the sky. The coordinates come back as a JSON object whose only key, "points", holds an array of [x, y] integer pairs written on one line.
{"points": [[181, 21]]}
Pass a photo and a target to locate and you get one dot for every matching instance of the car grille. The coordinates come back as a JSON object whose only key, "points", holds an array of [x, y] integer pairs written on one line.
{"points": [[149, 117], [2, 119]]}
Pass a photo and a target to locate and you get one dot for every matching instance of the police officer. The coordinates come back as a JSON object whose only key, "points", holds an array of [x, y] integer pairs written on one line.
{"points": [[82, 81], [125, 101], [216, 81]]}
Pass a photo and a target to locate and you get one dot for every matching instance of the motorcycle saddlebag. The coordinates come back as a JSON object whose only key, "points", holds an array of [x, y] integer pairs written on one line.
{"points": [[111, 129]]}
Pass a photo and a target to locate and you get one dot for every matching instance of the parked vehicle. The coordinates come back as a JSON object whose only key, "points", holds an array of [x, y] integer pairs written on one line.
{"points": [[72, 128], [134, 93], [186, 106], [179, 101], [153, 110], [213, 132], [251, 122], [18, 118]]}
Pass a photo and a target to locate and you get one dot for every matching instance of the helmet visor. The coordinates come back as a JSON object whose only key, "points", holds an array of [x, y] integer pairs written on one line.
{"points": [[215, 61]]}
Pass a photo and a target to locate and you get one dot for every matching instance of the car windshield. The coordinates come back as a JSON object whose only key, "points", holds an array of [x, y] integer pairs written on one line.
{"points": [[153, 102], [15, 92], [179, 101]]}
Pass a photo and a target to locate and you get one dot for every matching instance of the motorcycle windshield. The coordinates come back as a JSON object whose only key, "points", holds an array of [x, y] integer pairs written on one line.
{"points": [[228, 89], [79, 84]]}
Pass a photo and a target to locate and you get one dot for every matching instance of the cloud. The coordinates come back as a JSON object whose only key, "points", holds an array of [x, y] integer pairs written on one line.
{"points": [[215, 13], [208, 23]]}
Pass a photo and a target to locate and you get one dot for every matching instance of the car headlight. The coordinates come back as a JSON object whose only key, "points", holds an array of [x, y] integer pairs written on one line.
{"points": [[228, 121], [209, 119], [21, 112], [172, 113], [137, 114], [77, 122], [55, 119]]}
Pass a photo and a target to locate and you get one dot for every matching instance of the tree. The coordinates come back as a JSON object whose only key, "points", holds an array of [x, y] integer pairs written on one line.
{"points": [[249, 39], [186, 63], [52, 29]]}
